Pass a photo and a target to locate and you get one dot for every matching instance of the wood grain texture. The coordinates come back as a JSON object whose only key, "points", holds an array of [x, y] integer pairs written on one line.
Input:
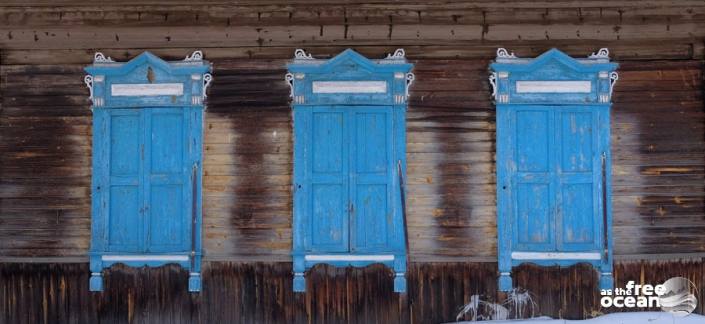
{"points": [[656, 137], [657, 130], [45, 124], [262, 292], [449, 29]]}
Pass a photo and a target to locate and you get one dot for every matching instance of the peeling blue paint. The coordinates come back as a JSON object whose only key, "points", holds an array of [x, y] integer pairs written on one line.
{"points": [[349, 125], [147, 143], [553, 158]]}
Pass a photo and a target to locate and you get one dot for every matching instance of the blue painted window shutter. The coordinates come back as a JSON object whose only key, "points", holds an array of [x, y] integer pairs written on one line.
{"points": [[553, 161], [349, 157], [147, 143]]}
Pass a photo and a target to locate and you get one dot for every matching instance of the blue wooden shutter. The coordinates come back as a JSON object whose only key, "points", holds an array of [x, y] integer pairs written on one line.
{"points": [[371, 178], [534, 190], [124, 193], [553, 161], [579, 175], [146, 206], [166, 181], [328, 180], [349, 155]]}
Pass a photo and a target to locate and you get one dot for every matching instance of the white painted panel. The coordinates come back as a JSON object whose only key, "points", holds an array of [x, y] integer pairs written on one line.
{"points": [[338, 257], [145, 258], [148, 89], [349, 86], [554, 86], [556, 256]]}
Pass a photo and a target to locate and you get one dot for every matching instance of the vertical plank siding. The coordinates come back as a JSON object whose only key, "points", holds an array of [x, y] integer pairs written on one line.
{"points": [[262, 293], [658, 147]]}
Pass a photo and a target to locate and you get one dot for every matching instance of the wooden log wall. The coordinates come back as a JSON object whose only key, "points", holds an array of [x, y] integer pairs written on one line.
{"points": [[658, 143], [657, 124], [658, 158], [262, 293]]}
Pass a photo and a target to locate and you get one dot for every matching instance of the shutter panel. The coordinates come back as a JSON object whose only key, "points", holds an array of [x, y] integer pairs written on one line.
{"points": [[533, 185], [124, 194], [166, 174], [328, 165], [371, 177]]}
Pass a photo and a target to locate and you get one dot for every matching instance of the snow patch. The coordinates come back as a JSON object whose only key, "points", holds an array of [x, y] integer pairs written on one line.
{"points": [[615, 318]]}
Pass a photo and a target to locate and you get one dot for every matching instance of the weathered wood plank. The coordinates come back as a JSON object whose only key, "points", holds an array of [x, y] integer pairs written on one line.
{"points": [[451, 171], [364, 35], [59, 292]]}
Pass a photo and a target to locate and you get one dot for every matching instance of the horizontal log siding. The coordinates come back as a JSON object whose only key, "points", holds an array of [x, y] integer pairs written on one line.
{"points": [[657, 142], [286, 24], [658, 148], [658, 153]]}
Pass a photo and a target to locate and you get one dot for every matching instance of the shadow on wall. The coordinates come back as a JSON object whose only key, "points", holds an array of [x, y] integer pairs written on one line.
{"points": [[248, 160], [451, 145]]}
